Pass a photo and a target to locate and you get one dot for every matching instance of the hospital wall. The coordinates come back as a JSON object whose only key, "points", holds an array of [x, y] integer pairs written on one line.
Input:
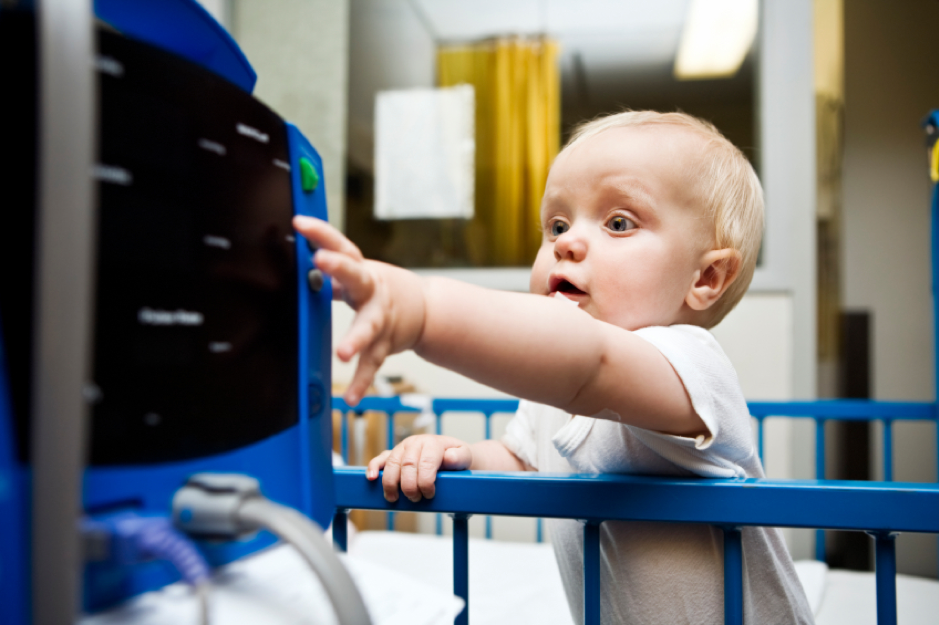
{"points": [[300, 51], [891, 81]]}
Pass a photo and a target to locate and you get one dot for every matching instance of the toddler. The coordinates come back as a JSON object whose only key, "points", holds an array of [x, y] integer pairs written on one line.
{"points": [[652, 224]]}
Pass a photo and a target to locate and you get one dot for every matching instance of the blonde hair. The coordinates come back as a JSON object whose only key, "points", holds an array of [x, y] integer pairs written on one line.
{"points": [[731, 192]]}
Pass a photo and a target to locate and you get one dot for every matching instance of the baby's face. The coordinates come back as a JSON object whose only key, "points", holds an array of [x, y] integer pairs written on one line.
{"points": [[624, 235]]}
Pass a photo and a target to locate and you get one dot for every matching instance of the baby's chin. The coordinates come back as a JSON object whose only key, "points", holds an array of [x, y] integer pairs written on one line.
{"points": [[630, 322], [588, 307]]}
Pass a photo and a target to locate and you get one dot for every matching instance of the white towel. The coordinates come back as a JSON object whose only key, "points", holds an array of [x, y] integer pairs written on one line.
{"points": [[424, 153]]}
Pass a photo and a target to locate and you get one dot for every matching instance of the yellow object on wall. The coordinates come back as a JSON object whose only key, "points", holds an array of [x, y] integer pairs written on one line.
{"points": [[518, 105], [934, 163]]}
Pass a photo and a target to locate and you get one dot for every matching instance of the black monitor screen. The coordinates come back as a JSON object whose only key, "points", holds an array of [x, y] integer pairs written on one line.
{"points": [[195, 344], [18, 164]]}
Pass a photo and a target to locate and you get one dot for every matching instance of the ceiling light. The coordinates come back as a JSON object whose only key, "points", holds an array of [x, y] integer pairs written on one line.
{"points": [[716, 38]]}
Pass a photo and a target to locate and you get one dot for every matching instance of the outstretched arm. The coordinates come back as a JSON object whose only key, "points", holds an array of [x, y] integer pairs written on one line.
{"points": [[530, 346]]}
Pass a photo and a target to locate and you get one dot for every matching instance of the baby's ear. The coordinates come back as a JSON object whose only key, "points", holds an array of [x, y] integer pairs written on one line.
{"points": [[717, 271]]}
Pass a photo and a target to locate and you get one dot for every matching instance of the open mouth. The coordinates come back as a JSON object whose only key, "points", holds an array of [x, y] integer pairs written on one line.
{"points": [[564, 286]]}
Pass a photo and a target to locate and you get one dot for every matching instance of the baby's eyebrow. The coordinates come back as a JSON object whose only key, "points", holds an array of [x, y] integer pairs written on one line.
{"points": [[633, 191]]}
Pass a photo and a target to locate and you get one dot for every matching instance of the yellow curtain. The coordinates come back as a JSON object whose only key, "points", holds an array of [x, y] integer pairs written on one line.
{"points": [[518, 102]]}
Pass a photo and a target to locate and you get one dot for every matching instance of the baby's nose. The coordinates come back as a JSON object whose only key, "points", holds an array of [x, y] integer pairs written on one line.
{"points": [[570, 246]]}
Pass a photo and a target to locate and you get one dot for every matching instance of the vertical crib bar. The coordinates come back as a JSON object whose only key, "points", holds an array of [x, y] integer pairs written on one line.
{"points": [[820, 475], [344, 436], [733, 576], [759, 439], [819, 449], [488, 416], [341, 529], [591, 573], [390, 425], [437, 429], [539, 533], [461, 564], [888, 450], [885, 565], [820, 545]]}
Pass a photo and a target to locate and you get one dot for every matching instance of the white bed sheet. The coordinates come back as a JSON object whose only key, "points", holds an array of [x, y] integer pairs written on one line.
{"points": [[276, 587], [851, 599], [516, 583], [520, 582]]}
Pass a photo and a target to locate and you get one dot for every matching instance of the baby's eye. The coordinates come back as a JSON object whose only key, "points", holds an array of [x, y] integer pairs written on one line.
{"points": [[558, 227], [620, 224]]}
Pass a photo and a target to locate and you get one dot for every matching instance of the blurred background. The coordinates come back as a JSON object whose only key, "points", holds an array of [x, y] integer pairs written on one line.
{"points": [[824, 96]]}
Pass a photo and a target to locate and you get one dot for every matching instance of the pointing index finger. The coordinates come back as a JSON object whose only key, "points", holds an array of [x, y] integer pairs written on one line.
{"points": [[324, 236]]}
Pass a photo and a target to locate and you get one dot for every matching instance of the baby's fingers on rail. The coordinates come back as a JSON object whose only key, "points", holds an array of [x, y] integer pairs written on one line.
{"points": [[391, 478], [413, 463], [376, 464], [457, 458]]}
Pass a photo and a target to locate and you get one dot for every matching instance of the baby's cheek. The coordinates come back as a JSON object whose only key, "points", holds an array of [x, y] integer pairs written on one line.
{"points": [[538, 283]]}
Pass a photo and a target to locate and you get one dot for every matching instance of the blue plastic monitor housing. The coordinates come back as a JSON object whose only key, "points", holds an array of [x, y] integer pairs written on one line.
{"points": [[211, 352]]}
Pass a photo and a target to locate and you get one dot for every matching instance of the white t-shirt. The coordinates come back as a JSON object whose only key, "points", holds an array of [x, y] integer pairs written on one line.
{"points": [[665, 572]]}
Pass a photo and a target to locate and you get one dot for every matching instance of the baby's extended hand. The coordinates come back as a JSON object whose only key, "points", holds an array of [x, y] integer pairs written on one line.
{"points": [[389, 302], [414, 462]]}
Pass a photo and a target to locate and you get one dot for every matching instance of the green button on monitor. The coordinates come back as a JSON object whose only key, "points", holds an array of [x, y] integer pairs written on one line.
{"points": [[309, 179]]}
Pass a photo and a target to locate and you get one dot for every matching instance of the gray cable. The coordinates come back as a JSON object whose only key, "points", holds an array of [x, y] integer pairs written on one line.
{"points": [[231, 506], [307, 538], [202, 596]]}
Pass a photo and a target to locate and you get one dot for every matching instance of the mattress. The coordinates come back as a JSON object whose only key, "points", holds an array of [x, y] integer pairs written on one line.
{"points": [[520, 582], [407, 579]]}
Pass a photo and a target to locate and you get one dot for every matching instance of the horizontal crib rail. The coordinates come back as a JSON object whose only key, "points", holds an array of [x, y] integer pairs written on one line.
{"points": [[839, 409], [881, 509], [821, 411], [845, 409], [829, 504]]}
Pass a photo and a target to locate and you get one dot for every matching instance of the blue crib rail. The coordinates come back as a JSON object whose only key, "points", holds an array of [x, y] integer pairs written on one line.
{"points": [[878, 508]]}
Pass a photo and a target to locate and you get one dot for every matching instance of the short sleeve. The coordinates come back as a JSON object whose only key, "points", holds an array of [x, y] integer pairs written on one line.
{"points": [[519, 435], [712, 385], [725, 451]]}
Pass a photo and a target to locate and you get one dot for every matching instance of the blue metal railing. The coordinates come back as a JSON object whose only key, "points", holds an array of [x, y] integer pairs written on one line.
{"points": [[880, 509], [822, 411]]}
